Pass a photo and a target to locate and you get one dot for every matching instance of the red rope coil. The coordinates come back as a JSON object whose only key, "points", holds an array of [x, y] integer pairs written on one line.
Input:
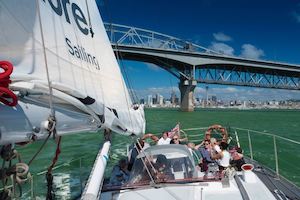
{"points": [[7, 97]]}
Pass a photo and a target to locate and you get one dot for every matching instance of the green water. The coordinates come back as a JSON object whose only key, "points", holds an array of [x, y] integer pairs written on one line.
{"points": [[69, 177]]}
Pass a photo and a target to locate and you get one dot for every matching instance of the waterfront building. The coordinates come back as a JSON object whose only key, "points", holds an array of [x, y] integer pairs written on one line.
{"points": [[149, 100]]}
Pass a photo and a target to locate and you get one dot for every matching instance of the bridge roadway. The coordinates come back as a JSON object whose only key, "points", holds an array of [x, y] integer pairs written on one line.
{"points": [[193, 64]]}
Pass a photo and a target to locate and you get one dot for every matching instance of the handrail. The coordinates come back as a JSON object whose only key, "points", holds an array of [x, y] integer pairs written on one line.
{"points": [[268, 134], [242, 129], [61, 165], [194, 129]]}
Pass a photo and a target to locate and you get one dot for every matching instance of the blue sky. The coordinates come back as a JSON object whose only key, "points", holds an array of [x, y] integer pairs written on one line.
{"points": [[268, 30]]}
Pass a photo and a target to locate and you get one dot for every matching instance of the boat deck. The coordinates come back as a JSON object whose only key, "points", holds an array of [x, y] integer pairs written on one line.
{"points": [[281, 188]]}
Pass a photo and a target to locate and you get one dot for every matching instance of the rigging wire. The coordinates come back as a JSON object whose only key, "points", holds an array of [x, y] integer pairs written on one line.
{"points": [[121, 64], [46, 62], [133, 94], [49, 176], [140, 150], [124, 88], [154, 170], [39, 150], [119, 57], [51, 119]]}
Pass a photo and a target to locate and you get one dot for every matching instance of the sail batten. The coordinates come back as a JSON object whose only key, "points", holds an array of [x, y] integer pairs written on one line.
{"points": [[83, 71]]}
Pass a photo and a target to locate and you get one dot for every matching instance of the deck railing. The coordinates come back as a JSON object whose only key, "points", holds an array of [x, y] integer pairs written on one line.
{"points": [[275, 152], [278, 153]]}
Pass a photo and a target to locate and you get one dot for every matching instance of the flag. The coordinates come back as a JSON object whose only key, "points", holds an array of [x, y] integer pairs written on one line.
{"points": [[174, 131]]}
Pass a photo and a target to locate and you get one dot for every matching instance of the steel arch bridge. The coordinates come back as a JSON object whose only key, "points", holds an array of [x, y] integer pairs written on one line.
{"points": [[193, 64]]}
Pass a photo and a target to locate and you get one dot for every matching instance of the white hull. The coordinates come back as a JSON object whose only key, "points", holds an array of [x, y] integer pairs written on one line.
{"points": [[194, 191], [18, 124], [247, 184]]}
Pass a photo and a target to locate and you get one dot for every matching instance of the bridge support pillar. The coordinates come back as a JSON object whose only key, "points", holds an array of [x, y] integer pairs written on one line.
{"points": [[186, 88]]}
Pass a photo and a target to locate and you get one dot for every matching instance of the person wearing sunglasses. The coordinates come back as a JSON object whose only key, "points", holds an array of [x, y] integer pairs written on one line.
{"points": [[175, 140], [205, 152]]}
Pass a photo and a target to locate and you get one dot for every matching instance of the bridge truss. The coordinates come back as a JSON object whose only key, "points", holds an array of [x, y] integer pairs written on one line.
{"points": [[241, 77], [188, 61], [132, 36]]}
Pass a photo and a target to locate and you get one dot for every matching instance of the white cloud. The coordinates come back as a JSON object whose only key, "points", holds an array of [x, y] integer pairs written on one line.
{"points": [[222, 37], [165, 91], [222, 48], [153, 67], [256, 94], [199, 90], [250, 51], [231, 89]]}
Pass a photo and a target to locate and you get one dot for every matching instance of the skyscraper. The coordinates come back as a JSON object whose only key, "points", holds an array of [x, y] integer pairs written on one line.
{"points": [[149, 100], [206, 89], [173, 98]]}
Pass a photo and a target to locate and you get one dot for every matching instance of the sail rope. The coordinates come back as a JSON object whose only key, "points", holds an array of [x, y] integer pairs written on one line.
{"points": [[18, 172], [5, 92], [46, 62], [49, 176], [52, 119], [39, 150]]}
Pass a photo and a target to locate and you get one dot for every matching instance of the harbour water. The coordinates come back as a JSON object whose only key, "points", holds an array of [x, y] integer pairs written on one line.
{"points": [[78, 151]]}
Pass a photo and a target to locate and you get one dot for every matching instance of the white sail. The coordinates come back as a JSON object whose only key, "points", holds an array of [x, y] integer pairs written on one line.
{"points": [[67, 39]]}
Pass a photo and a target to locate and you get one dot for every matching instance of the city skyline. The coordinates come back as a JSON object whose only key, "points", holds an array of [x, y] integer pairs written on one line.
{"points": [[250, 29], [226, 93], [158, 101], [157, 98]]}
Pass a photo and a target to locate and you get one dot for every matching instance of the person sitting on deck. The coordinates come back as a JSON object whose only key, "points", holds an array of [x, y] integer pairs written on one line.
{"points": [[134, 151], [191, 147], [222, 157], [120, 173], [205, 155], [162, 166], [164, 139], [214, 146], [175, 140], [237, 158], [207, 136]]}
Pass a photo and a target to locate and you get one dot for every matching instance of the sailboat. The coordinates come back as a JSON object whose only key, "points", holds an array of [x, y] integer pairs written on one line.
{"points": [[60, 76]]}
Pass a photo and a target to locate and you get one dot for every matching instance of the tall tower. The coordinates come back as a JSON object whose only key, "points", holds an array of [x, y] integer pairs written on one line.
{"points": [[173, 98], [206, 101]]}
